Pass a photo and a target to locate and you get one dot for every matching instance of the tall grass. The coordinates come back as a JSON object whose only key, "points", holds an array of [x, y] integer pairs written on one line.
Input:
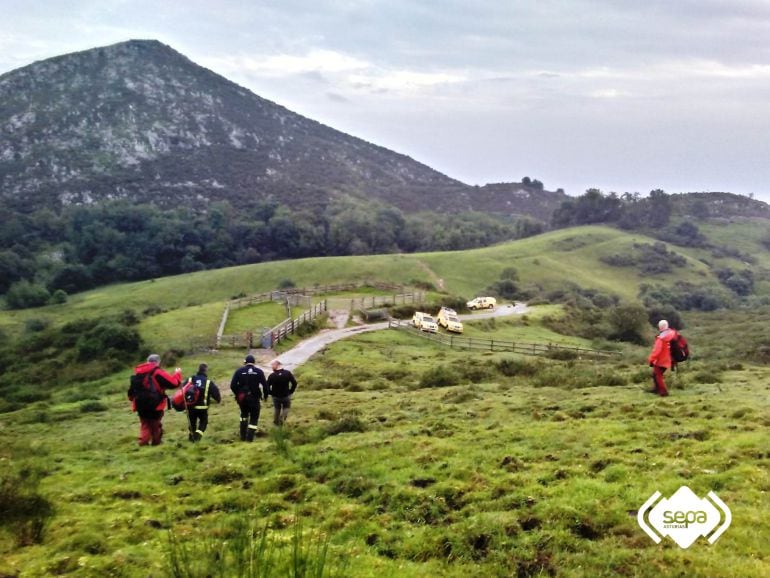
{"points": [[247, 551]]}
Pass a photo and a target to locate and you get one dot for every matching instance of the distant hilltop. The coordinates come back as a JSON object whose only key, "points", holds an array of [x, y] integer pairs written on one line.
{"points": [[139, 121]]}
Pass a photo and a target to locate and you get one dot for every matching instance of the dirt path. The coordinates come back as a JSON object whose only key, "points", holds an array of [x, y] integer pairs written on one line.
{"points": [[306, 349], [435, 279], [338, 317]]}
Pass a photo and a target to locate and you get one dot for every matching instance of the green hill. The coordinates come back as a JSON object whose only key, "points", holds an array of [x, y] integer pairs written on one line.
{"points": [[549, 259], [401, 457]]}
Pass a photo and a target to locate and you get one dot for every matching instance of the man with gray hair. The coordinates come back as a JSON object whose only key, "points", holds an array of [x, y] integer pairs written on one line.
{"points": [[660, 358], [281, 385], [148, 397]]}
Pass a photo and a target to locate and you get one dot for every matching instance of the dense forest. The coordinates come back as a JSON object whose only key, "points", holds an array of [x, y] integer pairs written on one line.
{"points": [[46, 255]]}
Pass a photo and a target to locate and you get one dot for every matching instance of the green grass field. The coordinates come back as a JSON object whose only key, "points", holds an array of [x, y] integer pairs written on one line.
{"points": [[402, 458], [515, 469], [549, 260]]}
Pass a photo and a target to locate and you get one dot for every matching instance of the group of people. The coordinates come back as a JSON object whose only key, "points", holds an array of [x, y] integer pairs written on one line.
{"points": [[250, 388], [194, 396]]}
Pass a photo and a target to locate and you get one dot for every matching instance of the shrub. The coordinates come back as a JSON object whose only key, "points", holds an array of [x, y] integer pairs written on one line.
{"points": [[107, 337], [657, 312], [403, 311], [422, 284], [628, 322], [24, 294], [286, 284], [345, 424], [513, 367], [59, 297], [474, 371], [561, 354], [312, 326], [92, 407], [35, 325], [440, 376]]}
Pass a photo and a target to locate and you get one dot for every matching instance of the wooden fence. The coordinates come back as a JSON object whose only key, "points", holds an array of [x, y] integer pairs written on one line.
{"points": [[480, 344], [294, 296], [290, 326], [372, 301]]}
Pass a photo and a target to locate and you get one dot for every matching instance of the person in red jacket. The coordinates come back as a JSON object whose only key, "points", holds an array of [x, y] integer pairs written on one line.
{"points": [[660, 358], [148, 398]]}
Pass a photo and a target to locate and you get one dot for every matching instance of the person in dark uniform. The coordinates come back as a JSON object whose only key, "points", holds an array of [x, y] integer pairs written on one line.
{"points": [[281, 385], [198, 393], [245, 385]]}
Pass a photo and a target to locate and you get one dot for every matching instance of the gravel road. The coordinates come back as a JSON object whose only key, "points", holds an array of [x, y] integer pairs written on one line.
{"points": [[306, 349]]}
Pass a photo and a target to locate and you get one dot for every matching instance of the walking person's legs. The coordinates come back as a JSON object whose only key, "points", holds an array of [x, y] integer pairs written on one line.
{"points": [[281, 407], [660, 384], [156, 426], [244, 420], [203, 423], [145, 431], [251, 430]]}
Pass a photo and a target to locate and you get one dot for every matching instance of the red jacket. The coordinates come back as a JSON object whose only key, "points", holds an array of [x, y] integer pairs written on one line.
{"points": [[162, 378], [661, 351]]}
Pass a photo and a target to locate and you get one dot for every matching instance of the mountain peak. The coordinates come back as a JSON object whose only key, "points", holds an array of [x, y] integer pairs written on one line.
{"points": [[140, 121]]}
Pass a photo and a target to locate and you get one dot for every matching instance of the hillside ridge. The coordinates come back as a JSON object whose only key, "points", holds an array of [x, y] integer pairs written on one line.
{"points": [[138, 120]]}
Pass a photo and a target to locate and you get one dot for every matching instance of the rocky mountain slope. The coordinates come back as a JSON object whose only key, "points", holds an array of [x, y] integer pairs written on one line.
{"points": [[138, 120]]}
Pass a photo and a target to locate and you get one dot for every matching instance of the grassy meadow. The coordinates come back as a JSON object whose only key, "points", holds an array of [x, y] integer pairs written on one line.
{"points": [[401, 458]]}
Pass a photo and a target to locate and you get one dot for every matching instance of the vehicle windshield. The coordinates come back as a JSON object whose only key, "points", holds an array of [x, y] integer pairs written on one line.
{"points": [[452, 318], [428, 319]]}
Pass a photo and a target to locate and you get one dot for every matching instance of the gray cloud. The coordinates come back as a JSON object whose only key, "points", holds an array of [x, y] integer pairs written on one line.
{"points": [[623, 95]]}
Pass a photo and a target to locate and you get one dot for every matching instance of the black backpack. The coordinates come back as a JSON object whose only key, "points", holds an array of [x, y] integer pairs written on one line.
{"points": [[680, 349], [145, 392]]}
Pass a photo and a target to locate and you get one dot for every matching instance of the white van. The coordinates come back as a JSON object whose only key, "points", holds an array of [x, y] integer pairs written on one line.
{"points": [[424, 322], [482, 303], [447, 318]]}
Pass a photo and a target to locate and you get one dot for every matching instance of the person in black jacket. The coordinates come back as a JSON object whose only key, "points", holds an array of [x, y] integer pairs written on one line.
{"points": [[199, 393], [246, 384], [281, 385]]}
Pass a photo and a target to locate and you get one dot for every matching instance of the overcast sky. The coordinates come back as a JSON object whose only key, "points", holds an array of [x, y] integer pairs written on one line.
{"points": [[621, 95]]}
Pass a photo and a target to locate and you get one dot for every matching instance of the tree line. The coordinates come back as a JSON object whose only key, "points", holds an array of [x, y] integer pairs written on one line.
{"points": [[45, 255]]}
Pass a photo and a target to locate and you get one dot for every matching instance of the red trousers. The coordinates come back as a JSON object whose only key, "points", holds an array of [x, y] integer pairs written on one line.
{"points": [[150, 430], [657, 379]]}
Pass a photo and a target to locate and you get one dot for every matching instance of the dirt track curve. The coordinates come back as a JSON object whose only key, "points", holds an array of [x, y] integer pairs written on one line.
{"points": [[306, 349]]}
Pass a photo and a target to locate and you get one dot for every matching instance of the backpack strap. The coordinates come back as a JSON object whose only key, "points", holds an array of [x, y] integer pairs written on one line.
{"points": [[150, 382]]}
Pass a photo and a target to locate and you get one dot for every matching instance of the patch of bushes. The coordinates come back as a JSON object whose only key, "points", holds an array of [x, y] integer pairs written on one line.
{"points": [[311, 327], [108, 339], [439, 376], [92, 407], [649, 259], [403, 311], [511, 367], [345, 424], [474, 370], [685, 296], [24, 294]]}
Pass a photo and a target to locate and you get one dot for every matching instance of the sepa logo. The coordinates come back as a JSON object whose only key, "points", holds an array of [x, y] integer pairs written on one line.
{"points": [[684, 517]]}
